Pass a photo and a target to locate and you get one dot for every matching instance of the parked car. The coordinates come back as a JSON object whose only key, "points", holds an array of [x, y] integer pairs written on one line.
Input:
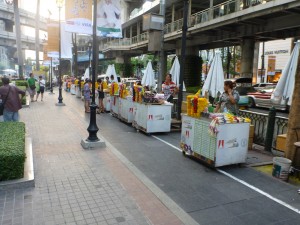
{"points": [[262, 98], [261, 86]]}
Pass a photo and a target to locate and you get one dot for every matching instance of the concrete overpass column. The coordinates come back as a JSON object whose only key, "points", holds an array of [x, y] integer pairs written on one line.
{"points": [[211, 10], [138, 28], [255, 62], [193, 67], [248, 45], [173, 12], [125, 11], [237, 5], [173, 16], [130, 32], [125, 61]]}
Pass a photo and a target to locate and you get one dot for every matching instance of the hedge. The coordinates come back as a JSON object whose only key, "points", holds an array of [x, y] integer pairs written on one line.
{"points": [[12, 150], [18, 83], [21, 83]]}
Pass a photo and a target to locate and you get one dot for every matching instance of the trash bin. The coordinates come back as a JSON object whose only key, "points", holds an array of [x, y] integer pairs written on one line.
{"points": [[281, 168]]}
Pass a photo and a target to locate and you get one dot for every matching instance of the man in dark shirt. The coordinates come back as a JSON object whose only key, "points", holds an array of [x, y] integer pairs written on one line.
{"points": [[13, 101]]}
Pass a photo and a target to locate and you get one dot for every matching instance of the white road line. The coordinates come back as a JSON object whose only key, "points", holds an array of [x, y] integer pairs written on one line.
{"points": [[260, 191], [242, 182], [167, 143]]}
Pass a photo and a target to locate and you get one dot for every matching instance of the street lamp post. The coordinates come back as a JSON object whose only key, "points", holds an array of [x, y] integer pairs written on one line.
{"points": [[93, 141], [182, 63], [90, 62], [59, 4], [51, 77], [262, 63]]}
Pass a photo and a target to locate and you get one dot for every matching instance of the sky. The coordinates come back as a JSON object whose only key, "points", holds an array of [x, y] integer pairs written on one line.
{"points": [[45, 7]]}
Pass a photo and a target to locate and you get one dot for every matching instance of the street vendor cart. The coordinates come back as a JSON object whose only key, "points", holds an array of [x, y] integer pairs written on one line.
{"points": [[227, 144], [126, 106], [152, 118]]}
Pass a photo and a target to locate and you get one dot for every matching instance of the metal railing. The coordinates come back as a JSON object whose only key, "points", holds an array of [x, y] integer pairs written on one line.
{"points": [[260, 122], [140, 38], [224, 9], [217, 11], [174, 26]]}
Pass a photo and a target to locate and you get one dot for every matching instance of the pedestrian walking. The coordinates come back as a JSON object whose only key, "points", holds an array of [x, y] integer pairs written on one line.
{"points": [[41, 88], [31, 87], [10, 97], [87, 95], [101, 86]]}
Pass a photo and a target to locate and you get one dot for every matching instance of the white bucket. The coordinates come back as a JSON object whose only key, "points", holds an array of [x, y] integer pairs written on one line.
{"points": [[281, 168]]}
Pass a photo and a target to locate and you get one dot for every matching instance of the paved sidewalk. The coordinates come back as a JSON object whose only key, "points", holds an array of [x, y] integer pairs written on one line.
{"points": [[76, 186]]}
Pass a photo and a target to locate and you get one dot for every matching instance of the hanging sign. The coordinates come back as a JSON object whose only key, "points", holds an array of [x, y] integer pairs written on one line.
{"points": [[79, 16]]}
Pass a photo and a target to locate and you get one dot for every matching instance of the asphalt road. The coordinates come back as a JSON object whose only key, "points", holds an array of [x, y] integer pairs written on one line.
{"points": [[208, 195]]}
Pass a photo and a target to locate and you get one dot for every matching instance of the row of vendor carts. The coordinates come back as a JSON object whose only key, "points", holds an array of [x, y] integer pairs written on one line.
{"points": [[216, 139]]}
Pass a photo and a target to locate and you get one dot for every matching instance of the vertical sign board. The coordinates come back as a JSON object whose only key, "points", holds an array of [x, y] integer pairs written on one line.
{"points": [[53, 39], [109, 18], [271, 65], [79, 16]]}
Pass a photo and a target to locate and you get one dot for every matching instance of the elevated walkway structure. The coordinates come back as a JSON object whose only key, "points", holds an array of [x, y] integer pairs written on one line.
{"points": [[27, 19], [221, 25]]}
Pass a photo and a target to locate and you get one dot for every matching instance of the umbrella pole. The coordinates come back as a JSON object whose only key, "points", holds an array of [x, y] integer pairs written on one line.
{"points": [[182, 63]]}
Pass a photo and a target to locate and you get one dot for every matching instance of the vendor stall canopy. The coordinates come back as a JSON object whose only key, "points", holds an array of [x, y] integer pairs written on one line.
{"points": [[214, 83]]}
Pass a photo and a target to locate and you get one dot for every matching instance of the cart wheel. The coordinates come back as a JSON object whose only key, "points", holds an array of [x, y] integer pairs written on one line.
{"points": [[183, 153]]}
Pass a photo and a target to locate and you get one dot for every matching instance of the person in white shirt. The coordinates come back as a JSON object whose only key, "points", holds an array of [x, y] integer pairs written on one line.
{"points": [[41, 83]]}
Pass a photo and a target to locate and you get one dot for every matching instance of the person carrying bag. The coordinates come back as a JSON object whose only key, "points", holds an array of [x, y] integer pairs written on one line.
{"points": [[2, 104]]}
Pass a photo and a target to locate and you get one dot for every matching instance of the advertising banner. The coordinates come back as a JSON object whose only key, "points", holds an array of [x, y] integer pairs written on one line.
{"points": [[53, 39], [109, 18], [79, 16]]}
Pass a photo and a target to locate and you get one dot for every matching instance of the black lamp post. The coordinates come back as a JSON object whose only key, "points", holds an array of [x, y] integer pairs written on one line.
{"points": [[90, 52], [262, 63], [182, 63], [93, 128], [51, 79], [59, 4]]}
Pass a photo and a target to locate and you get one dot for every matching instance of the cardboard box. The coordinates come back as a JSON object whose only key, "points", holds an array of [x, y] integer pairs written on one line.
{"points": [[250, 143], [251, 131], [281, 142], [183, 107]]}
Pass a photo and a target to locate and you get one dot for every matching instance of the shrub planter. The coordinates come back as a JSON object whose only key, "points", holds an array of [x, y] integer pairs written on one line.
{"points": [[16, 164]]}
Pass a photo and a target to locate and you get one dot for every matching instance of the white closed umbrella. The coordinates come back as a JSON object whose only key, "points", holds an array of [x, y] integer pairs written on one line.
{"points": [[285, 86], [108, 71], [148, 78], [113, 72], [86, 74], [175, 72], [214, 82]]}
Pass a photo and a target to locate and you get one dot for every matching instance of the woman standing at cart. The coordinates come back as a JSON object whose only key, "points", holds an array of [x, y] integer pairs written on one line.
{"points": [[229, 99], [101, 87], [87, 95], [169, 88]]}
